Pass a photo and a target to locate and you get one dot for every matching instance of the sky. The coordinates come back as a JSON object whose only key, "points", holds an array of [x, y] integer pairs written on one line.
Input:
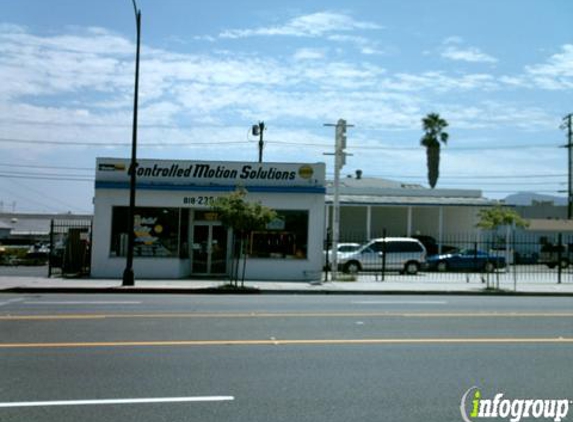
{"points": [[499, 72]]}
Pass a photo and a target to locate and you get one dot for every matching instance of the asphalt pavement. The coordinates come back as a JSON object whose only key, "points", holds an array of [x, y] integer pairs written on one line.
{"points": [[132, 357], [502, 283]]}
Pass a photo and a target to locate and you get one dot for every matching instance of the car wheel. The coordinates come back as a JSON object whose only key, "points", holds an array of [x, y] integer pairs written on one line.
{"points": [[411, 268], [564, 263], [489, 267], [550, 266], [352, 267], [442, 266]]}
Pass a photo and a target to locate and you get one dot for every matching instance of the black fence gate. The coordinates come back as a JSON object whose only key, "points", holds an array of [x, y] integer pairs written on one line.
{"points": [[70, 248]]}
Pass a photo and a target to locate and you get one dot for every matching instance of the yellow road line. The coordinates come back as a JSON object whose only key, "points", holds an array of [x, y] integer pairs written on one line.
{"points": [[272, 342], [297, 315]]}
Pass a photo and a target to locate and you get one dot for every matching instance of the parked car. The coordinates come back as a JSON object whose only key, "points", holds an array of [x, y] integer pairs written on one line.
{"points": [[344, 247], [404, 254], [431, 245], [466, 259], [553, 255], [508, 254]]}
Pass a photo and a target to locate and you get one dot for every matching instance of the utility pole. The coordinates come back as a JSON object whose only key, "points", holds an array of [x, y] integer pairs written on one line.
{"points": [[339, 162], [567, 125], [258, 131]]}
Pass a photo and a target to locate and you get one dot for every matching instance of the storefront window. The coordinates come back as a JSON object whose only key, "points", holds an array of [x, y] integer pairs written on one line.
{"points": [[285, 237], [156, 232]]}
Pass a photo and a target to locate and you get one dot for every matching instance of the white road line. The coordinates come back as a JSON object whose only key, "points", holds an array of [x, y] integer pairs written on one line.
{"points": [[117, 401], [400, 302], [9, 301], [93, 302]]}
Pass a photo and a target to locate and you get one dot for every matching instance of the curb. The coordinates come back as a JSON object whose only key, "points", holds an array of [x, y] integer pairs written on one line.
{"points": [[258, 291]]}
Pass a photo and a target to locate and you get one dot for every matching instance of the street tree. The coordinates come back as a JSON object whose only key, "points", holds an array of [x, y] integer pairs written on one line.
{"points": [[499, 216], [243, 218], [433, 126]]}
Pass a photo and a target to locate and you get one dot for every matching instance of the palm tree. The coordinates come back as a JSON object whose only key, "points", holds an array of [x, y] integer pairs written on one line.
{"points": [[433, 126]]}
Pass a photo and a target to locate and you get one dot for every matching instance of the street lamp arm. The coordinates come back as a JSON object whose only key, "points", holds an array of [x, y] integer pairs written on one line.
{"points": [[135, 9]]}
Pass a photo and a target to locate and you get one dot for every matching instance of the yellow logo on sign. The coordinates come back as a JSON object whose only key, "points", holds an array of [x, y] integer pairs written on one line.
{"points": [[305, 172]]}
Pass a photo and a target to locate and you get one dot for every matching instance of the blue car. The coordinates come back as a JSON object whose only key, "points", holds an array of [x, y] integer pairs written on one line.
{"points": [[466, 260]]}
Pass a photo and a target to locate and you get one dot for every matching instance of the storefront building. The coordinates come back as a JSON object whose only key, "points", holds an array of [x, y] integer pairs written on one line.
{"points": [[177, 235]]}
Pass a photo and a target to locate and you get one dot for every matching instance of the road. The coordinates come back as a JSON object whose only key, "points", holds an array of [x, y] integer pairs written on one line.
{"points": [[276, 358]]}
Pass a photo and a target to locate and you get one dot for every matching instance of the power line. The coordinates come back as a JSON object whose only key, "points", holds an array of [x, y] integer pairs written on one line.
{"points": [[46, 177], [26, 199], [506, 183], [417, 148], [33, 166], [117, 144], [513, 191], [141, 125], [454, 178], [390, 176], [299, 145], [466, 176], [42, 194]]}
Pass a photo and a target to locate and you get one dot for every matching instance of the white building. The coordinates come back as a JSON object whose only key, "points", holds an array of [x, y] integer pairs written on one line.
{"points": [[370, 207], [178, 235]]}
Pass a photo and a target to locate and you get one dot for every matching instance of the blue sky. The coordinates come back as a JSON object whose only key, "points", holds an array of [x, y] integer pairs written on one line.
{"points": [[500, 72]]}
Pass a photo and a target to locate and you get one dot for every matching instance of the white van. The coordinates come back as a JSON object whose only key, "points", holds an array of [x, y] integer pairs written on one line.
{"points": [[403, 254]]}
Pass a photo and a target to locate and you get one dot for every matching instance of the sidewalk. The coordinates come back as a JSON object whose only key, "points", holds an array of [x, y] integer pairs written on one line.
{"points": [[364, 285]]}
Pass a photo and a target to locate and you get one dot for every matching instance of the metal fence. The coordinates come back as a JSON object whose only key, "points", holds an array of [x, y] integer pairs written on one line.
{"points": [[488, 257], [70, 248]]}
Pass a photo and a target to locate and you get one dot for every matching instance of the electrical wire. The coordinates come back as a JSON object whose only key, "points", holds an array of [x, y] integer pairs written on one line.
{"points": [[298, 145], [116, 144], [33, 166], [27, 200], [451, 179], [396, 148], [43, 194], [46, 177], [463, 176]]}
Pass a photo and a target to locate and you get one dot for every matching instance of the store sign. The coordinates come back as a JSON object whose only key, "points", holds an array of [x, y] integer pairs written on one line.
{"points": [[211, 173]]}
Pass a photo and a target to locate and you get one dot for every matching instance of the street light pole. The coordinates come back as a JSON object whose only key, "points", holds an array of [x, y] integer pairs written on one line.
{"points": [[128, 275]]}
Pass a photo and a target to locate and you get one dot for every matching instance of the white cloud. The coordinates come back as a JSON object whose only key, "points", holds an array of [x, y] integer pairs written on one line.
{"points": [[453, 49], [34, 65], [309, 86], [78, 86], [494, 114], [470, 54], [309, 54], [312, 25], [441, 82], [365, 45], [556, 73]]}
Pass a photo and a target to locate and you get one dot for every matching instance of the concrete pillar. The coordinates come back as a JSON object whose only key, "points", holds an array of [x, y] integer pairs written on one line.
{"points": [[440, 228], [368, 222], [409, 230]]}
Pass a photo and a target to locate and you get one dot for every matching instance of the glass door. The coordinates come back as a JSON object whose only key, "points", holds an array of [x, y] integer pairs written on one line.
{"points": [[209, 248], [218, 262]]}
